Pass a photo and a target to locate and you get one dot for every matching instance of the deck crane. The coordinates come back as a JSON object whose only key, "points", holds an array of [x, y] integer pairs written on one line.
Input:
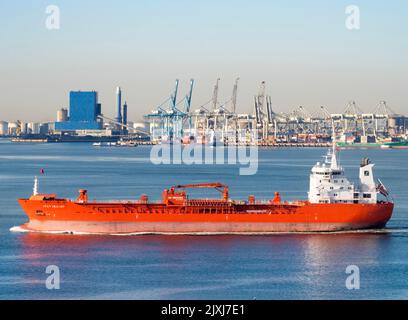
{"points": [[217, 186]]}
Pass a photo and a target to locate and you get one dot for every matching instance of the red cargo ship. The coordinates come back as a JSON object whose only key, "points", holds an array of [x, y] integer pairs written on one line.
{"points": [[334, 204]]}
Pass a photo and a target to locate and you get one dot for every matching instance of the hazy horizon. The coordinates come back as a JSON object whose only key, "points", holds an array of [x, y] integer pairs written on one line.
{"points": [[302, 50]]}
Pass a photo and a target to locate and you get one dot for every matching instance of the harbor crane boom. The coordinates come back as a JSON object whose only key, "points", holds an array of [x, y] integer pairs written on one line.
{"points": [[215, 94], [234, 96]]}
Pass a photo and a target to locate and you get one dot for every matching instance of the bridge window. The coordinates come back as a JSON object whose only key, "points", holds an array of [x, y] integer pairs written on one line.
{"points": [[367, 195], [367, 173]]}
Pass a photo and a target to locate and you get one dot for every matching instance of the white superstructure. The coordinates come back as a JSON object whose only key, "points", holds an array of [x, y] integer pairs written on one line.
{"points": [[328, 183]]}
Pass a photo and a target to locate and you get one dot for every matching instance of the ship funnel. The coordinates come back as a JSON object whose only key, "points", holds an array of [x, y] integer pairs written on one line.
{"points": [[365, 162]]}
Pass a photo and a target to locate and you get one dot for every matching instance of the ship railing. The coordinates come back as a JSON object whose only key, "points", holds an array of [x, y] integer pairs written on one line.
{"points": [[195, 201], [209, 202], [269, 202], [123, 202]]}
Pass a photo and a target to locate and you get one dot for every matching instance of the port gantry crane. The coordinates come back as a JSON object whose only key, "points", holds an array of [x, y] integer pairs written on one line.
{"points": [[216, 111], [229, 127], [170, 118], [382, 112], [353, 121], [234, 109], [265, 117], [215, 94], [219, 117], [260, 112], [187, 100]]}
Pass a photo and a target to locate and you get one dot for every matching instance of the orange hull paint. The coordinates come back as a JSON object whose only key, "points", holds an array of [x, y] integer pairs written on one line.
{"points": [[200, 216]]}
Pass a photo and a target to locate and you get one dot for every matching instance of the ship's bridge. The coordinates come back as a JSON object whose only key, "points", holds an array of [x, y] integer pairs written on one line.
{"points": [[324, 170], [328, 183]]}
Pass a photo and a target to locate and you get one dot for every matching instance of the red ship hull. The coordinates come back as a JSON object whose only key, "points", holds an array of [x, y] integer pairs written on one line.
{"points": [[200, 217]]}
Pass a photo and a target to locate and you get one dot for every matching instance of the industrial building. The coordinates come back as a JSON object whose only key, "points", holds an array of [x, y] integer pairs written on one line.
{"points": [[83, 121], [120, 123], [3, 128], [33, 128], [62, 115], [19, 128], [84, 112]]}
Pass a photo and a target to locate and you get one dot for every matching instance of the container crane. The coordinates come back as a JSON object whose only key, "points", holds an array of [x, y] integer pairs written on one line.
{"points": [[234, 96], [170, 117], [187, 102], [215, 94]]}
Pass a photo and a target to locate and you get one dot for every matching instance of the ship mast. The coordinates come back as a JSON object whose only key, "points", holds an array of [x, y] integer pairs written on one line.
{"points": [[334, 163], [35, 188]]}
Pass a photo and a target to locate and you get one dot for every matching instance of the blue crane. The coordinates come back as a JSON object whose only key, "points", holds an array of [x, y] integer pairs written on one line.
{"points": [[171, 118]]}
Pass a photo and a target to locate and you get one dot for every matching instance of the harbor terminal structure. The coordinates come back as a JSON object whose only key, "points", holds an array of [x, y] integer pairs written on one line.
{"points": [[181, 119]]}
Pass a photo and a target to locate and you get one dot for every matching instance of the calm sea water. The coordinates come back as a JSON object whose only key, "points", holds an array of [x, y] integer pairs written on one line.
{"points": [[299, 266]]}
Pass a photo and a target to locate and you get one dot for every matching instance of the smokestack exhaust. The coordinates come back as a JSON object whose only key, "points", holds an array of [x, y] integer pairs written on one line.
{"points": [[124, 118], [119, 105]]}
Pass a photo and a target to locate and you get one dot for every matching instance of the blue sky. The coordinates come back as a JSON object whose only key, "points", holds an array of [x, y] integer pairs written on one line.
{"points": [[300, 48]]}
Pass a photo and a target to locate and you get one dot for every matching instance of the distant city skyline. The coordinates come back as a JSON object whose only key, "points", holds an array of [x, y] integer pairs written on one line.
{"points": [[302, 50]]}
